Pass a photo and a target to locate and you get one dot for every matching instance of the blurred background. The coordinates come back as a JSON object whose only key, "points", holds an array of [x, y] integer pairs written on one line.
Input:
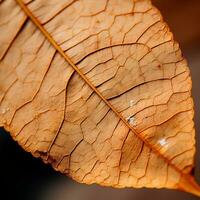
{"points": [[23, 177]]}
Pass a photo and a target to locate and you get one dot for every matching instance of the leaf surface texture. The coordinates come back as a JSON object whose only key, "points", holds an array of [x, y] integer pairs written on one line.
{"points": [[99, 89]]}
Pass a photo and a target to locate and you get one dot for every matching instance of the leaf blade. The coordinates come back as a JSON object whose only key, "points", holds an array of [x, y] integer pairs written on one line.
{"points": [[53, 42]]}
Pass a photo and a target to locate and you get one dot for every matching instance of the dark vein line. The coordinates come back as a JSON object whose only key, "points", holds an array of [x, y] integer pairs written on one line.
{"points": [[110, 46], [63, 118], [59, 12], [22, 25]]}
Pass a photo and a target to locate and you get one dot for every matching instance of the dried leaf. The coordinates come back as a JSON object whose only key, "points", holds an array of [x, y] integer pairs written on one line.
{"points": [[99, 89]]}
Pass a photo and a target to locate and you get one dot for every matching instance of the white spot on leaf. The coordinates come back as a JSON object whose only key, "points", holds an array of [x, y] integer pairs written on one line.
{"points": [[132, 103], [163, 142], [3, 111], [131, 121]]}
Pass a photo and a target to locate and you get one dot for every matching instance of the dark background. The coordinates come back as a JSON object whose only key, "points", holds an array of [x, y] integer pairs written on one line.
{"points": [[23, 177]]}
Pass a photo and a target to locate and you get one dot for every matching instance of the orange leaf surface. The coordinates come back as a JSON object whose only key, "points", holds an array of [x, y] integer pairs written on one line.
{"points": [[98, 89]]}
